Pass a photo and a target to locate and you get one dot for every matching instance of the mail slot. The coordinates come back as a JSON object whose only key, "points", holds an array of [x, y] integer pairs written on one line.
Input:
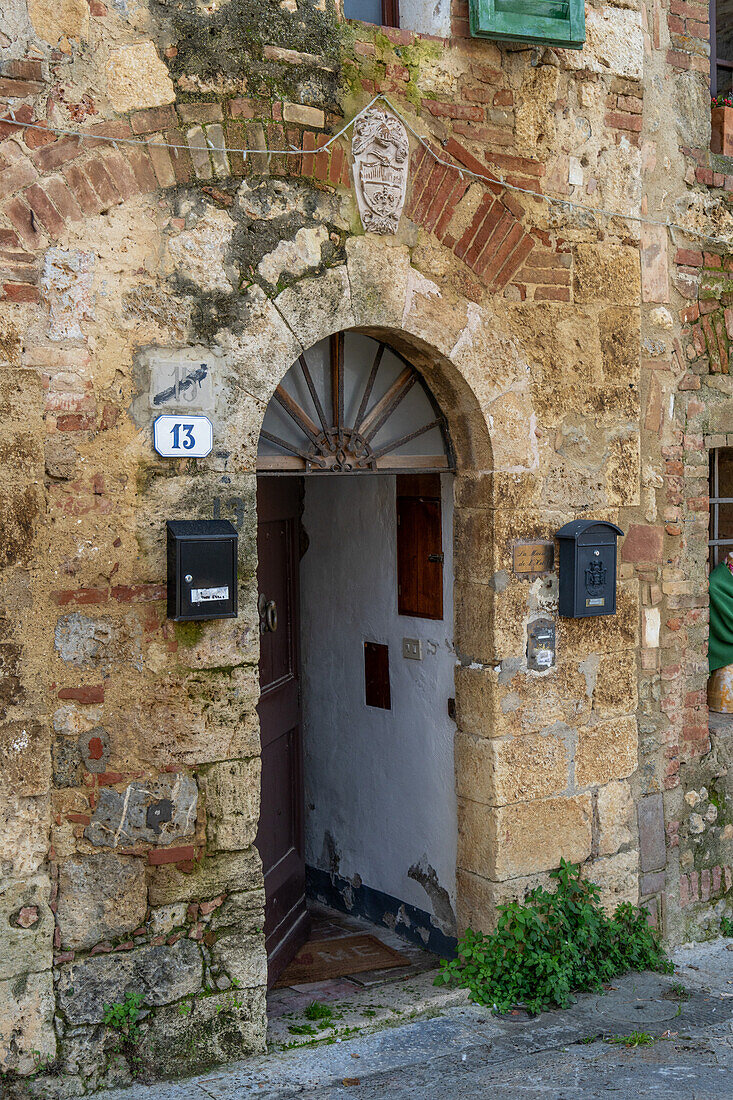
{"points": [[202, 569], [587, 568]]}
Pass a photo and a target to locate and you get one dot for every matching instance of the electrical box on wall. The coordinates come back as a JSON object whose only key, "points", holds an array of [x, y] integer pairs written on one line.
{"points": [[202, 569], [587, 568]]}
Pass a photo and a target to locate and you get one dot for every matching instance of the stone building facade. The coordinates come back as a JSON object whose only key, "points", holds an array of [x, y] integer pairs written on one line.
{"points": [[579, 356]]}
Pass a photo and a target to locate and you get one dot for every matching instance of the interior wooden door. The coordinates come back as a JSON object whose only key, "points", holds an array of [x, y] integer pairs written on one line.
{"points": [[280, 838]]}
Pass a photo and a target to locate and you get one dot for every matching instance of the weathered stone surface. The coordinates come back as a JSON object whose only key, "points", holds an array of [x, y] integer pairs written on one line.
{"points": [[26, 1022], [26, 943], [243, 958], [614, 43], [615, 817], [606, 751], [24, 828], [232, 792], [54, 21], [67, 286], [161, 974], [25, 759], [615, 690], [160, 811], [652, 841], [136, 77], [100, 897], [608, 272], [512, 841], [479, 897], [82, 640], [242, 910], [294, 257], [315, 309], [499, 772], [617, 876], [200, 253], [222, 873], [219, 1028]]}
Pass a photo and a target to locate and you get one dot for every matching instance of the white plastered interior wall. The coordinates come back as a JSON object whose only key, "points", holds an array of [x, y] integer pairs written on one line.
{"points": [[379, 783]]}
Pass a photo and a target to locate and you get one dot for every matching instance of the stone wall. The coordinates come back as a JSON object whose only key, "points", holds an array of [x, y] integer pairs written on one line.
{"points": [[568, 352]]}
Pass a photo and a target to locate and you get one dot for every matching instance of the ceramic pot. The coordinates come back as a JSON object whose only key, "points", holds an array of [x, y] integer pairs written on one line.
{"points": [[721, 140], [720, 690]]}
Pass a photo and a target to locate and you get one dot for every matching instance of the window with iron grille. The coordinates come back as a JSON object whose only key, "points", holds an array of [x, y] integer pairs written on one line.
{"points": [[385, 13], [721, 504], [721, 47]]}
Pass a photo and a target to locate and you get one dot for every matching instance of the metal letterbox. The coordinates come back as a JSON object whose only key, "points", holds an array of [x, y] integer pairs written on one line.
{"points": [[587, 568], [202, 569]]}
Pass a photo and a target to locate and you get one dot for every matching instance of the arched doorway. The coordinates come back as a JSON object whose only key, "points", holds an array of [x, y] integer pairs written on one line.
{"points": [[355, 584]]}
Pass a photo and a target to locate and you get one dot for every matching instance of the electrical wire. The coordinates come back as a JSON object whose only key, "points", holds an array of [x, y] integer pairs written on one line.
{"points": [[497, 180]]}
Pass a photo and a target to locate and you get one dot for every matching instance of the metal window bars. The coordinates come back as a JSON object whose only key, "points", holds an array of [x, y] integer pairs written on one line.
{"points": [[718, 546]]}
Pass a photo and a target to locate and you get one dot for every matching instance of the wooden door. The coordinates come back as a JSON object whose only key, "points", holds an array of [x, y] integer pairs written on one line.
{"points": [[280, 838]]}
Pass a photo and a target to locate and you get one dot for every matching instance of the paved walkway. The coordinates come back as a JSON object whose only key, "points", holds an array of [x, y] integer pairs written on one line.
{"points": [[465, 1052]]}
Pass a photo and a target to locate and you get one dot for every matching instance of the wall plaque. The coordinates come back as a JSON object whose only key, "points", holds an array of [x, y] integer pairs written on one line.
{"points": [[380, 150], [533, 557], [540, 644]]}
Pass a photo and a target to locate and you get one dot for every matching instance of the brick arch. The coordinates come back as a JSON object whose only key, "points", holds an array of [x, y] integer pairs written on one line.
{"points": [[48, 182]]}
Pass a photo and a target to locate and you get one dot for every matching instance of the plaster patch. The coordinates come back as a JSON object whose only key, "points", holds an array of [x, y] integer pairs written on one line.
{"points": [[136, 77], [199, 253], [294, 257], [67, 287]]}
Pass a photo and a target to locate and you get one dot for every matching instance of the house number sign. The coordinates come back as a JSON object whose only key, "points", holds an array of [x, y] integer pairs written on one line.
{"points": [[533, 557], [183, 436]]}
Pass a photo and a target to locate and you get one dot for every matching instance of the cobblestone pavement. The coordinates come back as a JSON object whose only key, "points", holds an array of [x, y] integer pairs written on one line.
{"points": [[465, 1052]]}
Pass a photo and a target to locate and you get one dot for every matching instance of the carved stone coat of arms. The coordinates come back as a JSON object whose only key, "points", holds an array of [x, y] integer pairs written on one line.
{"points": [[380, 151]]}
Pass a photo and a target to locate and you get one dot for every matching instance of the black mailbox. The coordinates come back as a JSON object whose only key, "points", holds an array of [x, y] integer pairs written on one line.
{"points": [[202, 569], [587, 568]]}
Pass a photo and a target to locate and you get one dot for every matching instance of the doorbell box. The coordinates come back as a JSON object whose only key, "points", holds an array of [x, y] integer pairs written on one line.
{"points": [[202, 569]]}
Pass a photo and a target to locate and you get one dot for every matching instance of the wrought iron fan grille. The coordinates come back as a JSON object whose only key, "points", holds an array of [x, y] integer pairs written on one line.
{"points": [[357, 406]]}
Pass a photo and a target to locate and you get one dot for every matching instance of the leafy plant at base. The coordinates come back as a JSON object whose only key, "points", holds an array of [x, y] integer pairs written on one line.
{"points": [[726, 926], [635, 1039], [318, 1011], [553, 945], [123, 1017]]}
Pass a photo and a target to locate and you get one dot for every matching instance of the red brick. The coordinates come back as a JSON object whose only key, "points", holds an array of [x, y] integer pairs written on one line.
{"points": [[467, 239], [25, 68], [141, 165], [433, 183], [102, 183], [453, 110], [44, 210], [19, 89], [152, 119], [504, 98], [157, 856], [121, 173], [309, 143], [443, 195], [478, 94], [135, 593], [74, 422], [420, 173], [643, 543], [631, 103], [24, 113], [89, 693], [552, 294], [38, 135], [514, 262], [493, 265], [82, 189], [53, 156], [678, 60], [688, 256], [79, 596], [79, 819], [20, 292], [63, 199], [621, 121], [94, 136], [16, 176], [487, 74]]}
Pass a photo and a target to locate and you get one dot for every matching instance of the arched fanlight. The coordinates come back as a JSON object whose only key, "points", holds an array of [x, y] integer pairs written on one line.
{"points": [[353, 404]]}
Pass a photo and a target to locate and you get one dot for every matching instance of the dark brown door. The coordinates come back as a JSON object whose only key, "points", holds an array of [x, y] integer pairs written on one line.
{"points": [[280, 839]]}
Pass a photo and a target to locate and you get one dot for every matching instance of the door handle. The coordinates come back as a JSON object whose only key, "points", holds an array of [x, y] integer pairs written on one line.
{"points": [[268, 615], [436, 557]]}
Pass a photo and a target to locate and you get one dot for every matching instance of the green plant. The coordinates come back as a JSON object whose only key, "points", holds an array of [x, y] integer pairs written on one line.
{"points": [[726, 926], [553, 945], [301, 1029], [123, 1018], [318, 1011], [635, 1039]]}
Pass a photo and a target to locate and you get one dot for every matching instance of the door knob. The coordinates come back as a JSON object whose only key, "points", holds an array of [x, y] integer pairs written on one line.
{"points": [[268, 614]]}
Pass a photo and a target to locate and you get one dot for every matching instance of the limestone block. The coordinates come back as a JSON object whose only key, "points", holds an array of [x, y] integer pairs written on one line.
{"points": [[607, 273], [604, 634], [473, 536], [200, 253], [378, 273], [222, 1027], [615, 817], [26, 1023], [232, 792], [24, 830], [136, 77], [162, 974], [225, 872], [479, 897], [243, 958], [318, 306], [513, 437], [100, 897], [622, 467], [475, 635], [615, 690], [294, 257], [619, 330], [617, 876], [511, 841], [25, 757], [432, 314], [498, 772], [56, 19], [477, 701], [67, 287], [27, 926], [160, 811], [614, 44], [606, 751]]}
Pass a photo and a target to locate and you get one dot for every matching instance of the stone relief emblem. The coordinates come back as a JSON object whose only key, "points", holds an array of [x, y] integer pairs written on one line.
{"points": [[380, 151]]}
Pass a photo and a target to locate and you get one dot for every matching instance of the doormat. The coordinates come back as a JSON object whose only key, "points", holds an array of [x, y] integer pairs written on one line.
{"points": [[319, 960]]}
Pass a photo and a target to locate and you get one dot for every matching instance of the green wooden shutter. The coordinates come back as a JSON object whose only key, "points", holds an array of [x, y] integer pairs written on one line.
{"points": [[553, 22]]}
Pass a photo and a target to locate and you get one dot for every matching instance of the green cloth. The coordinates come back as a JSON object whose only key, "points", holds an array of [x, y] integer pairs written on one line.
{"points": [[720, 647]]}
